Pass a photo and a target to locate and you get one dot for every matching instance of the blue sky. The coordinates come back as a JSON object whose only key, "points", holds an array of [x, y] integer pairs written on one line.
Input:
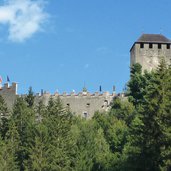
{"points": [[64, 44]]}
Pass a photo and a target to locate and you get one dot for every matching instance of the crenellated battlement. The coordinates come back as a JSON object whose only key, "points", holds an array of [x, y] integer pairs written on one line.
{"points": [[79, 94], [8, 89], [82, 103], [9, 93]]}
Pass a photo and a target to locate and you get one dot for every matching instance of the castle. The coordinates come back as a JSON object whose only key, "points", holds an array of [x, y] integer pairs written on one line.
{"points": [[83, 103], [147, 51]]}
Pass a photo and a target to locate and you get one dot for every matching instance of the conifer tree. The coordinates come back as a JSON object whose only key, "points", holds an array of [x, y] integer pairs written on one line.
{"points": [[39, 150], [7, 157], [3, 107], [150, 131], [30, 97], [115, 133], [8, 149], [40, 110], [137, 84], [85, 155], [102, 152], [122, 109], [58, 121], [157, 117], [24, 119], [4, 115]]}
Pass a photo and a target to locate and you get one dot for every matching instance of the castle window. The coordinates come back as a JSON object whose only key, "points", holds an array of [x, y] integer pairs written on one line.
{"points": [[141, 45], [159, 46], [106, 103], [168, 46], [88, 104], [85, 114], [150, 45], [68, 104]]}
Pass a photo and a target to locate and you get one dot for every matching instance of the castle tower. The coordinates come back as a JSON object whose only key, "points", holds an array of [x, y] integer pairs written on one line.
{"points": [[9, 93], [148, 50]]}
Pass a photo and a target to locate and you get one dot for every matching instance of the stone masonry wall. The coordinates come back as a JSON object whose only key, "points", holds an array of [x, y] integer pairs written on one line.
{"points": [[9, 93], [83, 103], [149, 57]]}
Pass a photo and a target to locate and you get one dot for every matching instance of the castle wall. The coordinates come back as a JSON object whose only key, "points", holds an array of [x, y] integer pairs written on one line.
{"points": [[82, 104], [9, 93], [149, 58]]}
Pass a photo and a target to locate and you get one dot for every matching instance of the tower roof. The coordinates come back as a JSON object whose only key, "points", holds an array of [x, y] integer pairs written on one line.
{"points": [[153, 38]]}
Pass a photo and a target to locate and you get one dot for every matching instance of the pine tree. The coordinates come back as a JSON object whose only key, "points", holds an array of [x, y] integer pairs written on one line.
{"points": [[24, 119], [122, 109], [4, 115], [3, 107], [30, 97], [39, 150], [157, 118], [150, 136], [8, 148], [40, 110], [102, 152], [137, 84], [115, 133], [7, 158], [85, 155], [58, 121]]}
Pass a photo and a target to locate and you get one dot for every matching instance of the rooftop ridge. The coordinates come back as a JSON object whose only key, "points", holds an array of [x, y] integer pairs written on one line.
{"points": [[153, 38]]}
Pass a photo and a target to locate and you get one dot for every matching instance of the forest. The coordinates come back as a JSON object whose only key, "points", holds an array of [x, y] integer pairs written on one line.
{"points": [[134, 135]]}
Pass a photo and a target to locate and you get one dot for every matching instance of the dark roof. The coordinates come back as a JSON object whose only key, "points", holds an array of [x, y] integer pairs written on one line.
{"points": [[153, 38]]}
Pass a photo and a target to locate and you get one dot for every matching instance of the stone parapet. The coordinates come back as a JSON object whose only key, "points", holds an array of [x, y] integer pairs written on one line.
{"points": [[9, 93]]}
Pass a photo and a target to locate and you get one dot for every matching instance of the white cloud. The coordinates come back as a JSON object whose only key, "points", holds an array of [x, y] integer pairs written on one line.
{"points": [[24, 18]]}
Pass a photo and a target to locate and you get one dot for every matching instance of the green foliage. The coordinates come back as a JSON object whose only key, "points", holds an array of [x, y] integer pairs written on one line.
{"points": [[122, 109], [58, 122], [24, 119], [92, 150], [3, 107], [149, 140], [39, 152], [86, 148], [137, 85], [102, 152], [115, 133], [30, 97], [8, 148], [134, 135], [7, 156], [4, 114]]}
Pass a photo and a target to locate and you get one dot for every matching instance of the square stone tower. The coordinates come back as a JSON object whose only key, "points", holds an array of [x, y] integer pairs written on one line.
{"points": [[148, 50]]}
